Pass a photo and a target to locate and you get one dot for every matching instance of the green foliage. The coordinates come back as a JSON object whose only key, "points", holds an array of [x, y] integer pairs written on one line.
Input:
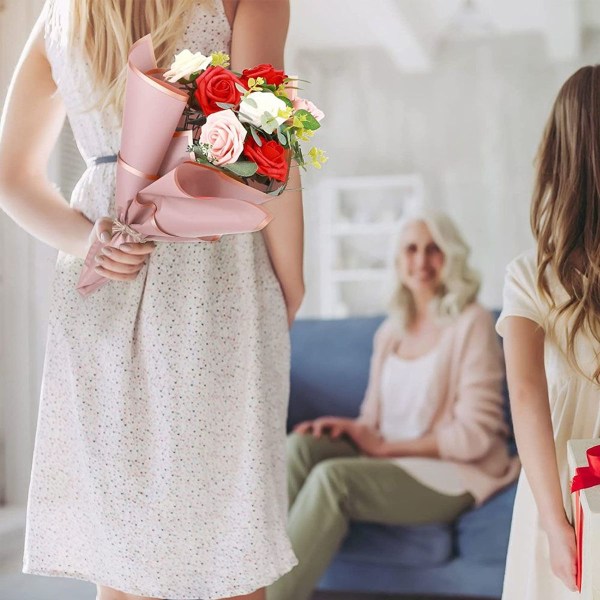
{"points": [[255, 136], [308, 121], [244, 168]]}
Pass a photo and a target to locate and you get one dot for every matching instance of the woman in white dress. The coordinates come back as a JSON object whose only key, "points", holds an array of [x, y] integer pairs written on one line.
{"points": [[158, 467], [551, 328]]}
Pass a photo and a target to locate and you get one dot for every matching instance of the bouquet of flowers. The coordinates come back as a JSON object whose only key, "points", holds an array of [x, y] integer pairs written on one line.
{"points": [[248, 124], [202, 148]]}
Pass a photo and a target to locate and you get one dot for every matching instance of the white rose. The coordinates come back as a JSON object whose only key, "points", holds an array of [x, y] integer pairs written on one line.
{"points": [[255, 105], [185, 64]]}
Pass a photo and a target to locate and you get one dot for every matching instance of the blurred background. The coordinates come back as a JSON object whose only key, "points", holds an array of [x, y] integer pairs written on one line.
{"points": [[438, 102]]}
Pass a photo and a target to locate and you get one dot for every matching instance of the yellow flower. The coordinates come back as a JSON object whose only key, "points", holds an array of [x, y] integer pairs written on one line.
{"points": [[255, 84], [304, 134], [317, 157], [285, 113], [220, 59]]}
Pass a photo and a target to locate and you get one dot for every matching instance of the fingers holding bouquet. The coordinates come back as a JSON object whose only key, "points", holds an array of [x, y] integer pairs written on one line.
{"points": [[122, 263]]}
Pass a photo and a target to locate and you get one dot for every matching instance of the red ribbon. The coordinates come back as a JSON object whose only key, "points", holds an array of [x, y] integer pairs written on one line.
{"points": [[584, 478], [587, 477]]}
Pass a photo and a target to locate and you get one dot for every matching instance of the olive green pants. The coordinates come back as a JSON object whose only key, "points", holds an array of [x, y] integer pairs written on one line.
{"points": [[331, 484]]}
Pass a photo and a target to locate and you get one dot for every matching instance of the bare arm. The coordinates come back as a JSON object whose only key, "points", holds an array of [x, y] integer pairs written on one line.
{"points": [[26, 194], [524, 351], [259, 33]]}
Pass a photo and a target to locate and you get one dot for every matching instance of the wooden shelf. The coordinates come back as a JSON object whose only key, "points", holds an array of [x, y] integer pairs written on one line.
{"points": [[378, 204]]}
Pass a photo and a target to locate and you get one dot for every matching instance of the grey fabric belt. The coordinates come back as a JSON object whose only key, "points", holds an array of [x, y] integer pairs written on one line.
{"points": [[100, 160]]}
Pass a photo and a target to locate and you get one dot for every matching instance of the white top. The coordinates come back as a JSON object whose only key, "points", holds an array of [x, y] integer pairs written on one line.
{"points": [[405, 410], [575, 412], [407, 413]]}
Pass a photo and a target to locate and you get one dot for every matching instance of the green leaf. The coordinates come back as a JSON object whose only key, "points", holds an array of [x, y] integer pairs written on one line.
{"points": [[242, 168], [224, 105], [268, 122], [278, 191], [255, 136], [281, 138], [308, 120], [287, 101], [240, 88]]}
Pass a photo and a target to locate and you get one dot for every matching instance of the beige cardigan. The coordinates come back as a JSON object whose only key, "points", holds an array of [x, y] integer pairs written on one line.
{"points": [[467, 390]]}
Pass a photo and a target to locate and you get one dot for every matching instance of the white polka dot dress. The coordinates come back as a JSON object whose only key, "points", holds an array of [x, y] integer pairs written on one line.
{"points": [[159, 465]]}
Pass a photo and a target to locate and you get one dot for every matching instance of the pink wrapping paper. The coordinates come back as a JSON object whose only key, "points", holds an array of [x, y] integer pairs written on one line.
{"points": [[162, 195]]}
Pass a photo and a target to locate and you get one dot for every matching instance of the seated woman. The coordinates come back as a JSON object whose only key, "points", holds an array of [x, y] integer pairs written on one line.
{"points": [[431, 439]]}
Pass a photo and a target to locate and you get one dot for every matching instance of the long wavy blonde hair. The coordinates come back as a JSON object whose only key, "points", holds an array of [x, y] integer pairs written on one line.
{"points": [[106, 29], [459, 282], [565, 210]]}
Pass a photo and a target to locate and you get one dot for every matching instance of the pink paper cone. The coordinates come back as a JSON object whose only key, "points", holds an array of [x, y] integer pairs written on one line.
{"points": [[158, 196], [177, 151]]}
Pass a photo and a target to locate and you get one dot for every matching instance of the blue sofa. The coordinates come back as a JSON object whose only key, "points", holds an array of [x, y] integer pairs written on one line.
{"points": [[330, 363]]}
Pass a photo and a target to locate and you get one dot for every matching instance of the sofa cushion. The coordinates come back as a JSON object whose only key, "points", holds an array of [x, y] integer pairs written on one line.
{"points": [[482, 533], [423, 545], [330, 366]]}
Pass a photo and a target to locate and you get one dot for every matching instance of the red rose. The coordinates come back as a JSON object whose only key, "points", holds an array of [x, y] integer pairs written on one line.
{"points": [[217, 84], [271, 75], [271, 157]]}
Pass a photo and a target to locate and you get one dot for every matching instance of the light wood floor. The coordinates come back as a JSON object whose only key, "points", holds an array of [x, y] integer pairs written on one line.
{"points": [[14, 585]]}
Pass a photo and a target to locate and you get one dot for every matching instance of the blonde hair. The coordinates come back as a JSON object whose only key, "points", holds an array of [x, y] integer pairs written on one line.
{"points": [[459, 282], [565, 210], [105, 30]]}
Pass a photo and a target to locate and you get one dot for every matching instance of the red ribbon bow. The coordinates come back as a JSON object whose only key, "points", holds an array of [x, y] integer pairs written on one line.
{"points": [[587, 477], [584, 478]]}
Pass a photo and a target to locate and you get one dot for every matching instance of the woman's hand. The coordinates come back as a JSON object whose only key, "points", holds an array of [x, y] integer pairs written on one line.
{"points": [[368, 440], [563, 553], [333, 426], [122, 264]]}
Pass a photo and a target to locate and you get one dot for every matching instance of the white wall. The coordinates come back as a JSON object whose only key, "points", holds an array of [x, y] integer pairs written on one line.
{"points": [[470, 125]]}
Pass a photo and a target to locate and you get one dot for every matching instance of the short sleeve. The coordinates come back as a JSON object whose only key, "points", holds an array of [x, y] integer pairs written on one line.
{"points": [[520, 296]]}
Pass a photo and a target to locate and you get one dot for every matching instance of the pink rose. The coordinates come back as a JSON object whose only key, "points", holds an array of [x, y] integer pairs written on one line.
{"points": [[302, 104], [225, 135]]}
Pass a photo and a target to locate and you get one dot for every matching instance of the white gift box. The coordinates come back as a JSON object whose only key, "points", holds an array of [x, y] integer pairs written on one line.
{"points": [[590, 509]]}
